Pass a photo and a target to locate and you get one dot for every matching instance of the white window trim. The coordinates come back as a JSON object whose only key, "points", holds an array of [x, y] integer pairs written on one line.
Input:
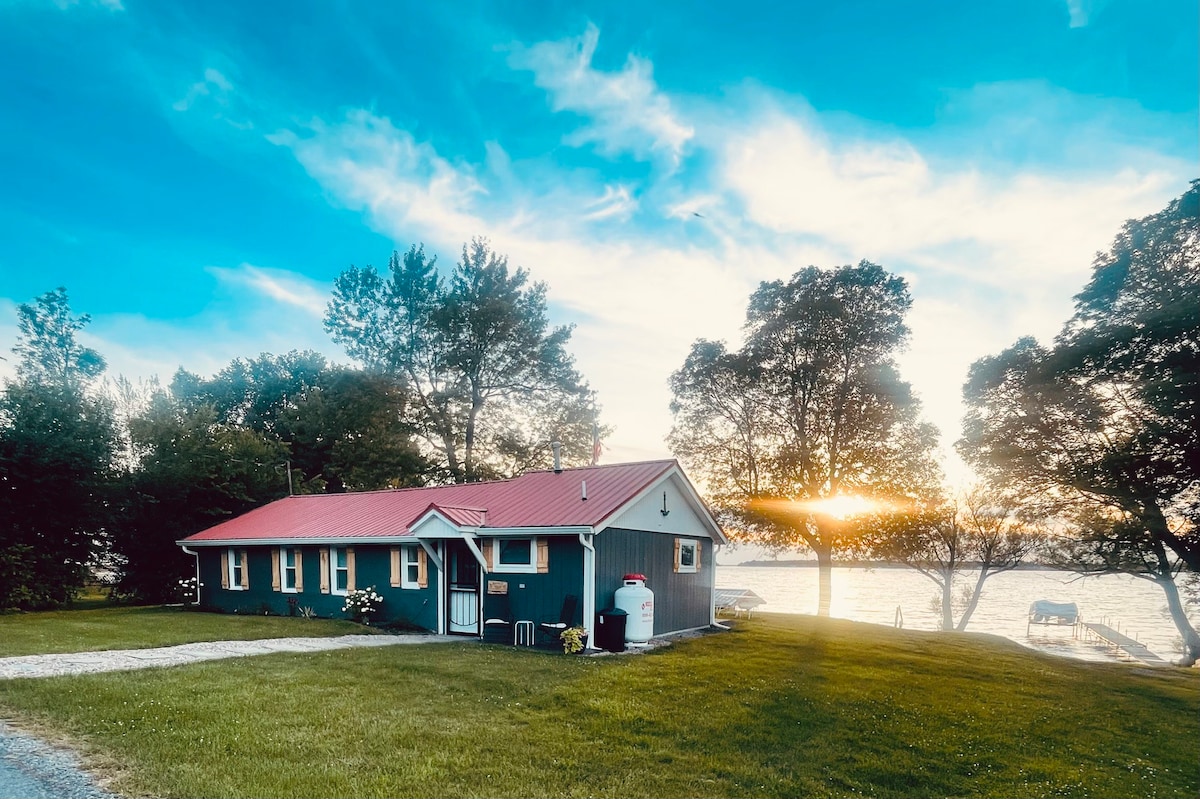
{"points": [[695, 545], [233, 562], [333, 572], [409, 556], [514, 568], [283, 570]]}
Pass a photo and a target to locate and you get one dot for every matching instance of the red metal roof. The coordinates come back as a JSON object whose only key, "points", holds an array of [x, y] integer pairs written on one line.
{"points": [[535, 499]]}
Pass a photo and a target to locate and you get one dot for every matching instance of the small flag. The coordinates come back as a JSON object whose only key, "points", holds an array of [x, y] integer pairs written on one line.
{"points": [[596, 448]]}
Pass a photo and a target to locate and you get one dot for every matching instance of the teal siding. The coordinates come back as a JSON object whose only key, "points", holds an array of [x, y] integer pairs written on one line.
{"points": [[681, 601], [542, 597], [417, 607]]}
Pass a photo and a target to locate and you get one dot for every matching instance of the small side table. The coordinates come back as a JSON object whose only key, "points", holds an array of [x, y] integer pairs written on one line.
{"points": [[523, 633]]}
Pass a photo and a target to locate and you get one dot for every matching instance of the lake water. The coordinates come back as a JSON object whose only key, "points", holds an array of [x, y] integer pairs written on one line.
{"points": [[1135, 607]]}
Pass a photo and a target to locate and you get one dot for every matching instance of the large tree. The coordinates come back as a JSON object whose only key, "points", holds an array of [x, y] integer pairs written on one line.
{"points": [[1102, 428], [809, 416], [491, 378], [57, 444], [345, 429]]}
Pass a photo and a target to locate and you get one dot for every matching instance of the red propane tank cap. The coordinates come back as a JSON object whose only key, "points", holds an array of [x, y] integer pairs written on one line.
{"points": [[641, 577]]}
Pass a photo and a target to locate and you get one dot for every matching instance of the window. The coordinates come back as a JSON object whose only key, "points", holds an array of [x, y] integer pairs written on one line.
{"points": [[514, 555], [236, 578], [687, 556], [290, 560], [410, 567], [340, 561]]}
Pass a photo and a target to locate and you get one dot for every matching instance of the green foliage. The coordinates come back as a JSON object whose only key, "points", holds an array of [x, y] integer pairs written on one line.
{"points": [[57, 446], [193, 472], [811, 407], [492, 381], [782, 706], [1102, 428]]}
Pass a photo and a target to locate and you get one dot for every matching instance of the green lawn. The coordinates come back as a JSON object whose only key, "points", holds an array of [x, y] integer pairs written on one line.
{"points": [[782, 706], [140, 627]]}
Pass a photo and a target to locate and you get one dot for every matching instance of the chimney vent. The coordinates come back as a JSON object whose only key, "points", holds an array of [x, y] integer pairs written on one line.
{"points": [[557, 447]]}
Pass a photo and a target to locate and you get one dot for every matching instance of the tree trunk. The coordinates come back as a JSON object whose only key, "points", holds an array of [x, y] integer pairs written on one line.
{"points": [[974, 603], [824, 579], [948, 602], [1191, 640]]}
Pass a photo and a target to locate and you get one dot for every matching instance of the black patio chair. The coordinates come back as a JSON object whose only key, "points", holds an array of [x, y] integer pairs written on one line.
{"points": [[497, 619], [550, 630]]}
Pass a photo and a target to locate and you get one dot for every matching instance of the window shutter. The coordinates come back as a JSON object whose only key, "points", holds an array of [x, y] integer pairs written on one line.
{"points": [[349, 568], [699, 549], [299, 571], [245, 569], [486, 548], [395, 567], [676, 567], [543, 555], [277, 557], [225, 561], [422, 569], [324, 570]]}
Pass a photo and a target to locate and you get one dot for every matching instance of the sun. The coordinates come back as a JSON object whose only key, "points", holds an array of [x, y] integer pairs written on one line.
{"points": [[841, 507]]}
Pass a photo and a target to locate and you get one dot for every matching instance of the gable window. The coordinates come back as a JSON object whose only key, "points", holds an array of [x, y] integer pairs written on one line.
{"points": [[687, 555], [517, 555], [236, 575]]}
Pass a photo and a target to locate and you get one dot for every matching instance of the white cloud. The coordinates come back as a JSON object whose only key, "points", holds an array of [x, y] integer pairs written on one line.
{"points": [[628, 113], [368, 164], [214, 84], [281, 286]]}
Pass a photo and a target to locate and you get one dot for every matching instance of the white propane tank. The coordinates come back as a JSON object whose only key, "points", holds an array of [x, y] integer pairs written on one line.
{"points": [[637, 600]]}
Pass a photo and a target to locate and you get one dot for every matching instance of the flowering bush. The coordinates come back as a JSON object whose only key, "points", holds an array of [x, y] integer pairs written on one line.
{"points": [[189, 589], [573, 639], [362, 602]]}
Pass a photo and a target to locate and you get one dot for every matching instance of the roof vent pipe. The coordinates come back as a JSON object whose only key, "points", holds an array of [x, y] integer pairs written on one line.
{"points": [[557, 447], [583, 490]]}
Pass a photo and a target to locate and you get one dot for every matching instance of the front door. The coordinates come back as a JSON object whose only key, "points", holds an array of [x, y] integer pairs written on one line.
{"points": [[463, 587]]}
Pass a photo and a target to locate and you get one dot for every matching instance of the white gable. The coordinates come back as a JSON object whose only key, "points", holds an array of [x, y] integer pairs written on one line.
{"points": [[685, 515], [435, 525]]}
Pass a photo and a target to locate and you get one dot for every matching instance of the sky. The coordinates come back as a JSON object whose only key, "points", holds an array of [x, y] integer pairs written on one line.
{"points": [[197, 174]]}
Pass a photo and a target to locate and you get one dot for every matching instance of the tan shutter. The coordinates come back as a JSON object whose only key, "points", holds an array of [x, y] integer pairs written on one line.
{"points": [[299, 571], [486, 547], [543, 555], [699, 549], [324, 570], [225, 555], [245, 568], [422, 569], [349, 568], [676, 566], [277, 557], [395, 567]]}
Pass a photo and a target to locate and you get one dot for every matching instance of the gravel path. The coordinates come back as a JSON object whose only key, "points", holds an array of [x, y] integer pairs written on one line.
{"points": [[129, 659], [31, 769]]}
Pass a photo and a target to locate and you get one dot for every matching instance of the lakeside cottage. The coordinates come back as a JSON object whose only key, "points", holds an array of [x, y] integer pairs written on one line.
{"points": [[445, 558]]}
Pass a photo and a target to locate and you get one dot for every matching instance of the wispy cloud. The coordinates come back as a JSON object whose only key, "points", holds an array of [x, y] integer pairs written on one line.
{"points": [[627, 112], [284, 287]]}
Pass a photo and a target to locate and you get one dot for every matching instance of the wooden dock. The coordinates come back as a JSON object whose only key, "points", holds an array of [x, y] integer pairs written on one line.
{"points": [[1122, 643]]}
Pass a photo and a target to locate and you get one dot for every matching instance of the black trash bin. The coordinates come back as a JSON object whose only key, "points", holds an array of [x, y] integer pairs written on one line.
{"points": [[610, 629]]}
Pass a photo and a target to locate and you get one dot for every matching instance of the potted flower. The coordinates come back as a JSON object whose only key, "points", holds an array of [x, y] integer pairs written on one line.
{"points": [[361, 603], [574, 639]]}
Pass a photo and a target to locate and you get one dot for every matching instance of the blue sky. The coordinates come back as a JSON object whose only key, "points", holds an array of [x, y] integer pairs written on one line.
{"points": [[197, 174]]}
